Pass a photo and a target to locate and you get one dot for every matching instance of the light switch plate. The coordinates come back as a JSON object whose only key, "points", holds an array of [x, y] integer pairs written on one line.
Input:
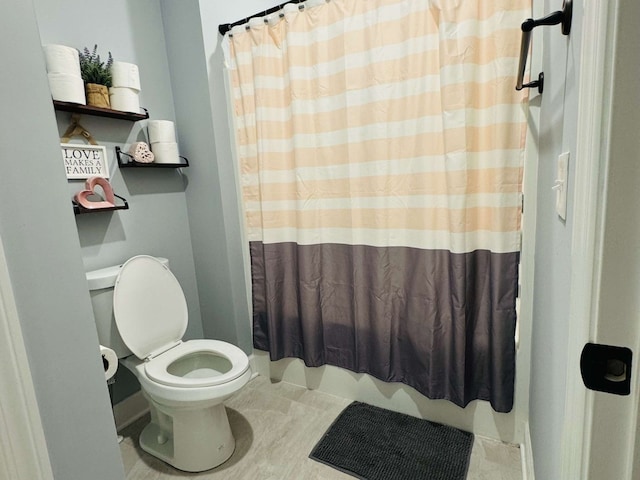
{"points": [[562, 184]]}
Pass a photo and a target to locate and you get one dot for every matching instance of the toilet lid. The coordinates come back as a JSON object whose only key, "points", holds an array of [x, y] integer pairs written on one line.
{"points": [[149, 306]]}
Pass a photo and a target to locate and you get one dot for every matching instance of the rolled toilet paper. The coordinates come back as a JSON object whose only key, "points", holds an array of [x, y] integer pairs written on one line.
{"points": [[161, 131], [62, 59], [66, 88], [110, 362], [125, 74], [124, 99], [165, 152]]}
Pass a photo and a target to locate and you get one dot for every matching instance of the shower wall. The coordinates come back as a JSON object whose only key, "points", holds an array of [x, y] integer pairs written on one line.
{"points": [[558, 113]]}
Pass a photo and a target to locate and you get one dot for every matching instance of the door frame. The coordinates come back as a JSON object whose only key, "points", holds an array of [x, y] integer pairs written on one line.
{"points": [[591, 159], [23, 450]]}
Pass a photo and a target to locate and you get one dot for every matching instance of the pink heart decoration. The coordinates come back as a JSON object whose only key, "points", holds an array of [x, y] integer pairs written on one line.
{"points": [[82, 197], [141, 153]]}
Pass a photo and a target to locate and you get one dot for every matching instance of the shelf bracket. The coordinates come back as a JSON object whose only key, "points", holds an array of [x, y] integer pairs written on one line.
{"points": [[126, 160], [79, 210], [77, 130]]}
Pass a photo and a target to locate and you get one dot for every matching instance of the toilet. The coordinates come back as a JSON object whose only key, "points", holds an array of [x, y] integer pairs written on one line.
{"points": [[141, 313]]}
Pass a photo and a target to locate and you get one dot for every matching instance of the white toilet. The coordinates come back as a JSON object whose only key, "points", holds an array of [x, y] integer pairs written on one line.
{"points": [[185, 382]]}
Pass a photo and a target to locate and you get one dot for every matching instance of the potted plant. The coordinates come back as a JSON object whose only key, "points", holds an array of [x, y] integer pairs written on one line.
{"points": [[97, 77]]}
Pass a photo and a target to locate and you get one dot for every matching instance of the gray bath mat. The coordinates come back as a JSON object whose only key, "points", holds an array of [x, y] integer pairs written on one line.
{"points": [[372, 443]]}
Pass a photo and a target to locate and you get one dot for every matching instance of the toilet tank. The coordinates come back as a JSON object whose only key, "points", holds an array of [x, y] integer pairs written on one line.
{"points": [[101, 283]]}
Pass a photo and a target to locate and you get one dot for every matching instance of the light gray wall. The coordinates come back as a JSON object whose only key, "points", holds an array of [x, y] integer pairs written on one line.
{"points": [[197, 75], [157, 222], [211, 193], [213, 14], [45, 264], [558, 119]]}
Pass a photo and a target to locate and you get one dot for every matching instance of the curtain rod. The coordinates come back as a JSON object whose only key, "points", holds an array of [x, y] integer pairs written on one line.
{"points": [[225, 27]]}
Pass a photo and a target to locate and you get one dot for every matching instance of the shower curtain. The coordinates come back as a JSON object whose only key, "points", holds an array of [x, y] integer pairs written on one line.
{"points": [[380, 147]]}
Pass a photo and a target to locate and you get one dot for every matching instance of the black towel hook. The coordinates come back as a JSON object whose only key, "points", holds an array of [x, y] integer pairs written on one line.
{"points": [[562, 17]]}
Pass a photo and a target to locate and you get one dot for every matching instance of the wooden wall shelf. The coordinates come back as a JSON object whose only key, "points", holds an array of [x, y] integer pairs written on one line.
{"points": [[98, 111]]}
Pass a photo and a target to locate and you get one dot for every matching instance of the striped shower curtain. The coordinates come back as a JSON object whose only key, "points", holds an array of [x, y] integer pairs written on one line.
{"points": [[380, 147]]}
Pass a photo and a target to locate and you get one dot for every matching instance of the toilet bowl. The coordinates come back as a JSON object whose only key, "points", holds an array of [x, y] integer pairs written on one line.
{"points": [[185, 382], [191, 374]]}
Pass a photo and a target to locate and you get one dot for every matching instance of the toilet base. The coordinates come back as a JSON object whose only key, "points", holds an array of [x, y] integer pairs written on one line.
{"points": [[192, 440]]}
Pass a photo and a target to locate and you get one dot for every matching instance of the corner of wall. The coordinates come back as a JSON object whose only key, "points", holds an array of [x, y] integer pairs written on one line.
{"points": [[214, 218]]}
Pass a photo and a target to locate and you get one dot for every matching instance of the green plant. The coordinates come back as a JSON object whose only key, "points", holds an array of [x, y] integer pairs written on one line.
{"points": [[94, 70]]}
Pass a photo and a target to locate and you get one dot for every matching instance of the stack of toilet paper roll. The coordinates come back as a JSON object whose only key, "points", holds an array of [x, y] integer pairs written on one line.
{"points": [[125, 90], [63, 71], [162, 136]]}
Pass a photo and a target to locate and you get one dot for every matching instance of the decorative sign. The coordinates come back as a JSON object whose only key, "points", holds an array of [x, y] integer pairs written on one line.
{"points": [[84, 161]]}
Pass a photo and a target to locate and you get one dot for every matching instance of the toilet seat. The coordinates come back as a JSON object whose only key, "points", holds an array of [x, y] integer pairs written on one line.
{"points": [[151, 315], [157, 368], [149, 307]]}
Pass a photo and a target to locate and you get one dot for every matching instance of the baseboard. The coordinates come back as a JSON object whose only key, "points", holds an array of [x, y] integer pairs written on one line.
{"points": [[526, 454], [254, 366], [129, 410]]}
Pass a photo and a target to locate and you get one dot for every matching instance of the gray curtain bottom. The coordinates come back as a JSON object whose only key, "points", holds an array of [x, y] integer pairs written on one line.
{"points": [[441, 322]]}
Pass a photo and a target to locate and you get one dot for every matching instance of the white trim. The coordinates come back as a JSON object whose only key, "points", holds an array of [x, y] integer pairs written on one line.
{"points": [[526, 454], [23, 449], [634, 444], [635, 452], [591, 160], [254, 366], [524, 326], [129, 410]]}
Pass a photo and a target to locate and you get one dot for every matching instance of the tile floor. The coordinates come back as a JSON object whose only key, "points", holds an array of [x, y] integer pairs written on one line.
{"points": [[276, 425]]}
